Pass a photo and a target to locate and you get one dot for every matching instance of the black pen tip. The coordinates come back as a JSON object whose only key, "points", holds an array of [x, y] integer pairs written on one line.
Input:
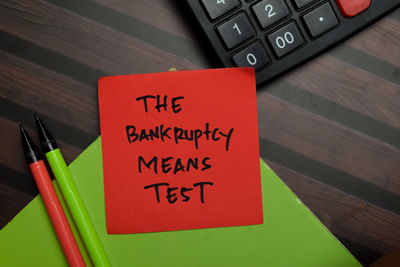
{"points": [[21, 128], [46, 140], [30, 150]]}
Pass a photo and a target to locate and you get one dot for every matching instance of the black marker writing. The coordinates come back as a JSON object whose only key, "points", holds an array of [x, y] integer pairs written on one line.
{"points": [[161, 103], [156, 189], [176, 165], [178, 135], [172, 196], [201, 184]]}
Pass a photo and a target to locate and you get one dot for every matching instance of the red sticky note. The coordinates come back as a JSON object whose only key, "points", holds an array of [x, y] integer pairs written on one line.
{"points": [[180, 150]]}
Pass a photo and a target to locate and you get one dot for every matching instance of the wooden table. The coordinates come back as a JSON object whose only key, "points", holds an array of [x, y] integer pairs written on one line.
{"points": [[330, 128]]}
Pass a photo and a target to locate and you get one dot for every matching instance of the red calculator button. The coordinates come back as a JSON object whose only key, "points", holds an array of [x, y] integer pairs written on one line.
{"points": [[350, 8]]}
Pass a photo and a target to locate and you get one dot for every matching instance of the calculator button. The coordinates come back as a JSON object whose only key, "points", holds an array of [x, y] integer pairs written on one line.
{"points": [[301, 3], [216, 8], [270, 11], [320, 20], [236, 30], [286, 39], [252, 56], [350, 8]]}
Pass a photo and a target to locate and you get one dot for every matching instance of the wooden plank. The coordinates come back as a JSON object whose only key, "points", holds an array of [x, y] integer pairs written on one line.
{"points": [[47, 92], [328, 142], [343, 214], [86, 41], [351, 87], [166, 15], [381, 39]]}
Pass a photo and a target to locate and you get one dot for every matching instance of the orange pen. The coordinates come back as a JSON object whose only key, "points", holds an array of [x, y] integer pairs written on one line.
{"points": [[51, 201]]}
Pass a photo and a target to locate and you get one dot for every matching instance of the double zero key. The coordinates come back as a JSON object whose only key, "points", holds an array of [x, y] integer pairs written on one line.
{"points": [[286, 39]]}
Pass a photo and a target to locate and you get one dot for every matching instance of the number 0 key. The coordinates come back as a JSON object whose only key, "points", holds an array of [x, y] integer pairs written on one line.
{"points": [[252, 56]]}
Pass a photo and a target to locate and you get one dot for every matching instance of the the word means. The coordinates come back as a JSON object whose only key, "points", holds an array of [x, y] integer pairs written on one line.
{"points": [[178, 165]]}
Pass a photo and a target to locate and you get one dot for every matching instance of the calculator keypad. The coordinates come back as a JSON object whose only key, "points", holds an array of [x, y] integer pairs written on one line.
{"points": [[236, 30], [270, 11], [282, 33], [320, 20], [252, 56], [286, 39], [274, 36], [216, 8]]}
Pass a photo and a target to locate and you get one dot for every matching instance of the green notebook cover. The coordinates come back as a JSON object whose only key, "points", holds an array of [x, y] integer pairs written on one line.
{"points": [[290, 236]]}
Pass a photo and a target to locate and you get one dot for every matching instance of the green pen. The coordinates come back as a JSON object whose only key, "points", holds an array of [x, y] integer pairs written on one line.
{"points": [[71, 195]]}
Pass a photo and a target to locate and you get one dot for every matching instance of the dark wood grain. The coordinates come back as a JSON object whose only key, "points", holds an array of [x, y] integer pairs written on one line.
{"points": [[49, 93], [338, 114], [354, 88], [381, 40], [328, 142], [84, 40], [159, 13]]}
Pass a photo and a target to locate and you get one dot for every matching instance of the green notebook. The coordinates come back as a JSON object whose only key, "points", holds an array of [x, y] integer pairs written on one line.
{"points": [[290, 236]]}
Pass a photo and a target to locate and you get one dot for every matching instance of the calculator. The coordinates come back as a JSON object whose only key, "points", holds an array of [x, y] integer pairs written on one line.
{"points": [[274, 36]]}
